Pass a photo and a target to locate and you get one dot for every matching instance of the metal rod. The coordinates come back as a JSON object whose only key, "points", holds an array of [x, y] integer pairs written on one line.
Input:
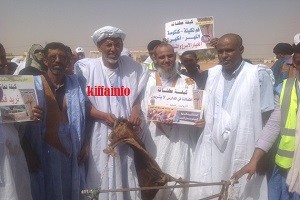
{"points": [[152, 188]]}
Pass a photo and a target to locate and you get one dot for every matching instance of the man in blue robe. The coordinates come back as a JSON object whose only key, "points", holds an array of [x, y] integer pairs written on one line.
{"points": [[58, 141]]}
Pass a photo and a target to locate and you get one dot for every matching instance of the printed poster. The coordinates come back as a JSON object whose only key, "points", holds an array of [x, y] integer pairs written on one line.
{"points": [[182, 106], [18, 97], [190, 34]]}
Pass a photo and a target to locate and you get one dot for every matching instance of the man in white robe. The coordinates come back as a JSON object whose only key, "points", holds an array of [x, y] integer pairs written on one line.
{"points": [[107, 72], [14, 175], [171, 145], [239, 96]]}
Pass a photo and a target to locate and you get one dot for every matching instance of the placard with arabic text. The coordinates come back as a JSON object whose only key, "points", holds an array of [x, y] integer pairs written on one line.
{"points": [[17, 97], [182, 106], [190, 34]]}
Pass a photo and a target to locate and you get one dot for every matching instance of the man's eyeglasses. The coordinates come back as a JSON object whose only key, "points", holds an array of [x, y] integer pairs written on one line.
{"points": [[61, 58]]}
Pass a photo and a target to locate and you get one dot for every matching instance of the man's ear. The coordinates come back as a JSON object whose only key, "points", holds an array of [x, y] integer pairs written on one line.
{"points": [[154, 59], [242, 49]]}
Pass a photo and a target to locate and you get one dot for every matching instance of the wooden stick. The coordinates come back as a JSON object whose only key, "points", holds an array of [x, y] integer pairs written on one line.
{"points": [[153, 187]]}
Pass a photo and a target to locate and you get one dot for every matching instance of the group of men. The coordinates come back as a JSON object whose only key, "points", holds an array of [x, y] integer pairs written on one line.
{"points": [[64, 146]]}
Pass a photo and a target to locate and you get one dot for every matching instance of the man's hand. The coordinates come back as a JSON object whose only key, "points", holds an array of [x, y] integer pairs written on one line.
{"points": [[37, 112], [249, 169], [213, 42], [200, 123], [83, 154], [109, 119], [134, 118]]}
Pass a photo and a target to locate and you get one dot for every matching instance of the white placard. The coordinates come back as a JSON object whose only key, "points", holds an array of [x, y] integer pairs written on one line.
{"points": [[190, 34], [18, 98]]}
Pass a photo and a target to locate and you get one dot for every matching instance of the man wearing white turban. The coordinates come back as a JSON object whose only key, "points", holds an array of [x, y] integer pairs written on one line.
{"points": [[101, 77]]}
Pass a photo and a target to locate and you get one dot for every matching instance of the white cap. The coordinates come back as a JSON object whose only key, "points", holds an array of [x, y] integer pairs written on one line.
{"points": [[297, 39], [79, 50], [106, 32]]}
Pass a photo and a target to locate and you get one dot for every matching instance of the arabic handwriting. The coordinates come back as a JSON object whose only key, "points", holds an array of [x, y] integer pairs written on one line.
{"points": [[189, 30], [9, 86], [192, 38], [188, 21], [179, 23], [175, 39], [4, 99], [174, 32], [167, 90]]}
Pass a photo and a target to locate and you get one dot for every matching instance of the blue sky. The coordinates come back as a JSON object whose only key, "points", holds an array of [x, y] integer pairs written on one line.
{"points": [[261, 23]]}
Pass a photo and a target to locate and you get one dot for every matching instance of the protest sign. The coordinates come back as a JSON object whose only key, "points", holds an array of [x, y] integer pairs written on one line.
{"points": [[190, 34], [18, 98], [182, 106]]}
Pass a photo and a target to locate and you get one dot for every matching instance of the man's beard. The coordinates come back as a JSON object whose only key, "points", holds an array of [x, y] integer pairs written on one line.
{"points": [[166, 74], [57, 71], [110, 61]]}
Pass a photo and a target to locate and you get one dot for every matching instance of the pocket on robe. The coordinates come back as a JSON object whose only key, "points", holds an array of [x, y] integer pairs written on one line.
{"points": [[222, 131]]}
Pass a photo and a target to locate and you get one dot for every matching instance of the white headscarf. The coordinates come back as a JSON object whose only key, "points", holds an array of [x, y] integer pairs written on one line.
{"points": [[33, 59], [107, 32]]}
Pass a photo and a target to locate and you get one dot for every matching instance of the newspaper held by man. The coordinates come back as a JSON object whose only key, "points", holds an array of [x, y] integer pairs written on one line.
{"points": [[19, 96], [182, 106]]}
